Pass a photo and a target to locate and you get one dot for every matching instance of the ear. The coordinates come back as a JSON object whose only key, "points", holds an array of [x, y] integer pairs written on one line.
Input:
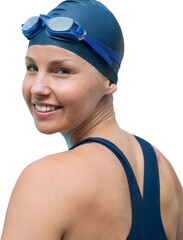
{"points": [[110, 87]]}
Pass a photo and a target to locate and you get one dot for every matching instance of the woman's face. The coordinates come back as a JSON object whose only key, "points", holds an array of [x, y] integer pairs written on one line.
{"points": [[61, 89]]}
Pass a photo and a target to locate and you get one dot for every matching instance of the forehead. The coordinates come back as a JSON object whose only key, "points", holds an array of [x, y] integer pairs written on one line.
{"points": [[50, 52]]}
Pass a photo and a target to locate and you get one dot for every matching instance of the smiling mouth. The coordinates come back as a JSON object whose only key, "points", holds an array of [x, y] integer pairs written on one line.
{"points": [[46, 108]]}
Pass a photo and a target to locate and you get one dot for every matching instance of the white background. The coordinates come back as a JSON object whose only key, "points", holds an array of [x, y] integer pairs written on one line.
{"points": [[149, 98]]}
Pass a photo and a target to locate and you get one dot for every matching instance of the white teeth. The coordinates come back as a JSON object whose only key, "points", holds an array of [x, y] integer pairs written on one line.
{"points": [[45, 108], [38, 107], [48, 108]]}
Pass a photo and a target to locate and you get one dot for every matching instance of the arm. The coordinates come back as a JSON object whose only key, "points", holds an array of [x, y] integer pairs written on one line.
{"points": [[39, 206], [180, 223]]}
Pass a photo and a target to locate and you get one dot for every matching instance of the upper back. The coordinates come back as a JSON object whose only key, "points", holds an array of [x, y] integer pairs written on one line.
{"points": [[124, 212]]}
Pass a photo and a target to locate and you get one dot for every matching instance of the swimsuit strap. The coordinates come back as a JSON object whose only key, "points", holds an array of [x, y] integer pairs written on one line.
{"points": [[151, 196], [146, 216]]}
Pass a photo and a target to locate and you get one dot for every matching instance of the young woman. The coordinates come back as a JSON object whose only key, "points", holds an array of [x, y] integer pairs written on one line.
{"points": [[109, 184]]}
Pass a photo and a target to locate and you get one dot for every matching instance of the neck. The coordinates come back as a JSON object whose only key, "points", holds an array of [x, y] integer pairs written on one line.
{"points": [[100, 124]]}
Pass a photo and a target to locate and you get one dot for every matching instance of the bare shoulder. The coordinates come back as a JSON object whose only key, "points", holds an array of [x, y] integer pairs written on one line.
{"points": [[168, 176], [46, 198], [170, 192]]}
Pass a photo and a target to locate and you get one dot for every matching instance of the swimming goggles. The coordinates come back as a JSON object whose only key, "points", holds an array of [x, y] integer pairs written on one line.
{"points": [[67, 29]]}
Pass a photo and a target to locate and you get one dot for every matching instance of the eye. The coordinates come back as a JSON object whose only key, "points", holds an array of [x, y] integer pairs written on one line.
{"points": [[32, 68], [63, 71]]}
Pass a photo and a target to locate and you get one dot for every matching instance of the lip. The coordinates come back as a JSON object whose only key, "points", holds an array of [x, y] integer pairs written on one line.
{"points": [[45, 114]]}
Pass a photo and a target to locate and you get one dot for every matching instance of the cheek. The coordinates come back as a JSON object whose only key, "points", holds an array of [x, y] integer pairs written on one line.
{"points": [[80, 102], [25, 90], [26, 87], [72, 94]]}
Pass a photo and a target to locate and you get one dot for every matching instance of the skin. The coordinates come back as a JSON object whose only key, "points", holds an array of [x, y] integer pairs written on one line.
{"points": [[81, 194]]}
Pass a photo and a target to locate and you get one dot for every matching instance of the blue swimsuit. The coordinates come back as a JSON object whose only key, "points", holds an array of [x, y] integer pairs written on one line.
{"points": [[146, 215]]}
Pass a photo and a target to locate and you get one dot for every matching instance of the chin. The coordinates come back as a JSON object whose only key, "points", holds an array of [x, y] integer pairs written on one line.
{"points": [[46, 128], [46, 131]]}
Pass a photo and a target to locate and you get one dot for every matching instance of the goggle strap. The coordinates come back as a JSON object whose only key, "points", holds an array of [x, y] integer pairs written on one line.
{"points": [[103, 50], [111, 53], [98, 49]]}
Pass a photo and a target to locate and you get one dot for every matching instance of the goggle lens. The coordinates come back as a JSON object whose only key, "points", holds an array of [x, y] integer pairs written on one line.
{"points": [[30, 23], [60, 24]]}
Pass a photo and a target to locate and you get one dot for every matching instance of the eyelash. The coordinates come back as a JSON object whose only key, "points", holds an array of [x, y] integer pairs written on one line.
{"points": [[32, 68], [63, 70]]}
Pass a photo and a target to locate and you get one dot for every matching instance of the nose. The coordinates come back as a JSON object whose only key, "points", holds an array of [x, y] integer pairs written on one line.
{"points": [[40, 87]]}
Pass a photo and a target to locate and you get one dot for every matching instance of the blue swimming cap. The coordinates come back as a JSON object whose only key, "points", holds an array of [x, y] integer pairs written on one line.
{"points": [[99, 23]]}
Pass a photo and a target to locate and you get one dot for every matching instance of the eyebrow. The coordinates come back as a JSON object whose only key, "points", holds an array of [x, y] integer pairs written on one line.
{"points": [[54, 61], [30, 59]]}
